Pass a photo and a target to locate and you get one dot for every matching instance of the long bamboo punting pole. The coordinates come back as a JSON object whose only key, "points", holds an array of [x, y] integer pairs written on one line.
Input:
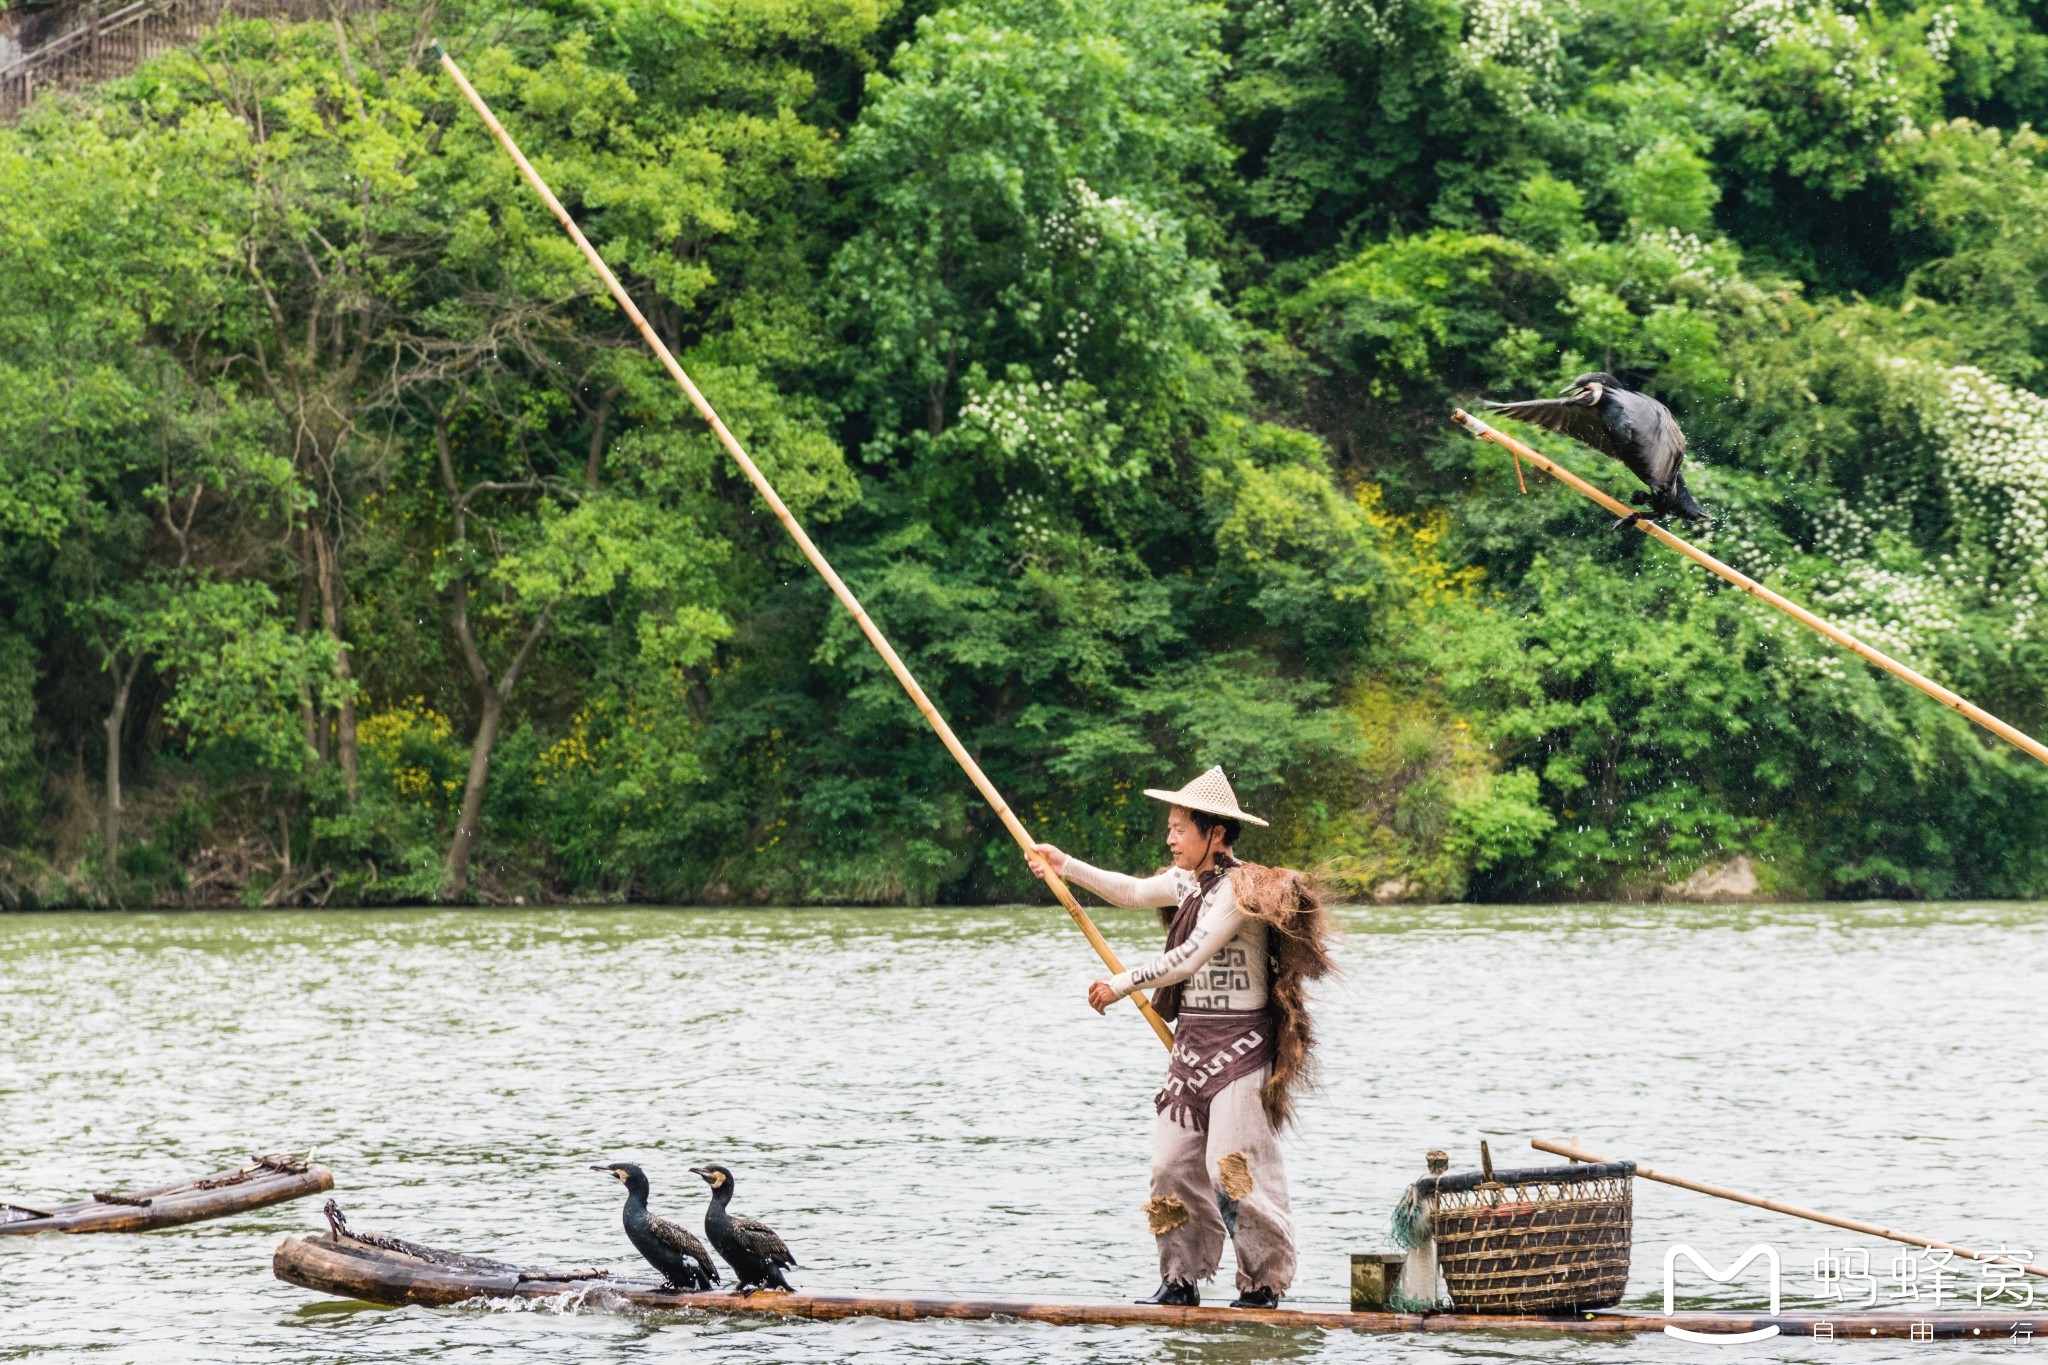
{"points": [[803, 541], [1566, 1149], [2018, 738]]}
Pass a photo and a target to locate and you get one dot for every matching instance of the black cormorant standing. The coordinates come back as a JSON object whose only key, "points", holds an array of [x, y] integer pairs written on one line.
{"points": [[749, 1246], [1633, 427], [669, 1248]]}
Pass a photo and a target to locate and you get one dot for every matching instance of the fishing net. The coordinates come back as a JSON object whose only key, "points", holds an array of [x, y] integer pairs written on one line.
{"points": [[1409, 1226]]}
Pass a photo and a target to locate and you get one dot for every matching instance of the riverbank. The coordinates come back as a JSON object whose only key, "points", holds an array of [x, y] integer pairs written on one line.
{"points": [[248, 874]]}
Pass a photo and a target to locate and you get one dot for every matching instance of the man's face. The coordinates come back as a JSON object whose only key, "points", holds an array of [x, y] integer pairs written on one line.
{"points": [[1189, 846]]}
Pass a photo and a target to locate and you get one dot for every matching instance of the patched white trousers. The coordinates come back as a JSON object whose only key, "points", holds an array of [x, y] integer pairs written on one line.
{"points": [[1226, 1181]]}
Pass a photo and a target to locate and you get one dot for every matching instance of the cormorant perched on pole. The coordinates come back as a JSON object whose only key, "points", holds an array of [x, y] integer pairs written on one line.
{"points": [[1632, 427], [749, 1246], [668, 1247]]}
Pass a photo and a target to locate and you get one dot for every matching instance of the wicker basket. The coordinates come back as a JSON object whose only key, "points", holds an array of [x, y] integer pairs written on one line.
{"points": [[1548, 1239]]}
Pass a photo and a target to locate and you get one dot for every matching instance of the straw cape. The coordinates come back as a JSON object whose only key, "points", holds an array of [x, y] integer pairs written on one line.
{"points": [[1298, 952], [1210, 793]]}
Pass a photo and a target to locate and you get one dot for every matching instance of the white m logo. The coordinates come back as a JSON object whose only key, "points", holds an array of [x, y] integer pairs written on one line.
{"points": [[1770, 1256]]}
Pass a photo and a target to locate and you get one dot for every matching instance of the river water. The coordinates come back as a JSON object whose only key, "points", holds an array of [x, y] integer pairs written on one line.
{"points": [[920, 1100]]}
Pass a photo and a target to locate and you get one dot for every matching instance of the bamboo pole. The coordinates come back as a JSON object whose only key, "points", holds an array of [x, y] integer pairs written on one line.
{"points": [[2017, 738], [803, 542], [1566, 1149]]}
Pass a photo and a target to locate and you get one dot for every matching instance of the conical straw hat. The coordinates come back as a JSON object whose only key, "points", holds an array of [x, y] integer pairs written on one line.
{"points": [[1211, 793]]}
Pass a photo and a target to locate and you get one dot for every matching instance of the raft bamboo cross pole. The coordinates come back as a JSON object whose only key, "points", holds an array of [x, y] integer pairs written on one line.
{"points": [[1566, 1149], [803, 541], [2017, 738]]}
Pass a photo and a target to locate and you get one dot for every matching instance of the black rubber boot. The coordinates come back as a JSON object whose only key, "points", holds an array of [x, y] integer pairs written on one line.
{"points": [[1175, 1294], [1256, 1298]]}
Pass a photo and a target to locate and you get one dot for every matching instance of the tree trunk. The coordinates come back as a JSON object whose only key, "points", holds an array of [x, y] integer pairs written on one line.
{"points": [[593, 464], [329, 577], [457, 880], [117, 720], [315, 723], [492, 696], [935, 398]]}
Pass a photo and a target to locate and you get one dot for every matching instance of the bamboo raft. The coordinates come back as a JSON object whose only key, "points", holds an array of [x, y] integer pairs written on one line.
{"points": [[385, 1270], [265, 1180]]}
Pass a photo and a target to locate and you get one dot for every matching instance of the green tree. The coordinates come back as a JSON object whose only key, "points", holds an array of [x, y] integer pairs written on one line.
{"points": [[1026, 167]]}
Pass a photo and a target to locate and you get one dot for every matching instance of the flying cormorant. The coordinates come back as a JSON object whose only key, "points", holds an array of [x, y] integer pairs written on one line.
{"points": [[669, 1248], [749, 1246], [1633, 427]]}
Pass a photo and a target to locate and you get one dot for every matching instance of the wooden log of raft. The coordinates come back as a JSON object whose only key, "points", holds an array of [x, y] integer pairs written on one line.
{"points": [[265, 1180], [355, 1268]]}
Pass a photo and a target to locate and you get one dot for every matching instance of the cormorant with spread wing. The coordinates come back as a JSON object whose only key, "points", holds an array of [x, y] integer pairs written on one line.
{"points": [[1632, 427], [749, 1246], [668, 1247]]}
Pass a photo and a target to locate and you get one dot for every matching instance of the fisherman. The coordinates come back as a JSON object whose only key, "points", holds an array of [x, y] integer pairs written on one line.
{"points": [[1241, 942]]}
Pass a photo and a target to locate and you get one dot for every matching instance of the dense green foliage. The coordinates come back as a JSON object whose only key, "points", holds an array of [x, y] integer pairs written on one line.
{"points": [[352, 549]]}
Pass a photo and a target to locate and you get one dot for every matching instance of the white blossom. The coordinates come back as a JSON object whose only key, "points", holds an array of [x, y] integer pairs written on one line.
{"points": [[1024, 418], [1030, 516], [1088, 218], [1990, 448], [1993, 448], [1862, 78], [1520, 34], [1941, 32], [1375, 19]]}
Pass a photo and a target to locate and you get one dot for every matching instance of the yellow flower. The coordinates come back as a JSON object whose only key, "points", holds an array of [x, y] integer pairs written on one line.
{"points": [[1415, 545], [569, 752], [409, 721]]}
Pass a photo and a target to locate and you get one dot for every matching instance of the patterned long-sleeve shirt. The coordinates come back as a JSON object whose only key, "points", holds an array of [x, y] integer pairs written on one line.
{"points": [[1223, 962]]}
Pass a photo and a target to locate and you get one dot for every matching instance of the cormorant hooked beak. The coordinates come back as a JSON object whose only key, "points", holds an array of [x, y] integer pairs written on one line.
{"points": [[612, 1171], [1592, 393]]}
